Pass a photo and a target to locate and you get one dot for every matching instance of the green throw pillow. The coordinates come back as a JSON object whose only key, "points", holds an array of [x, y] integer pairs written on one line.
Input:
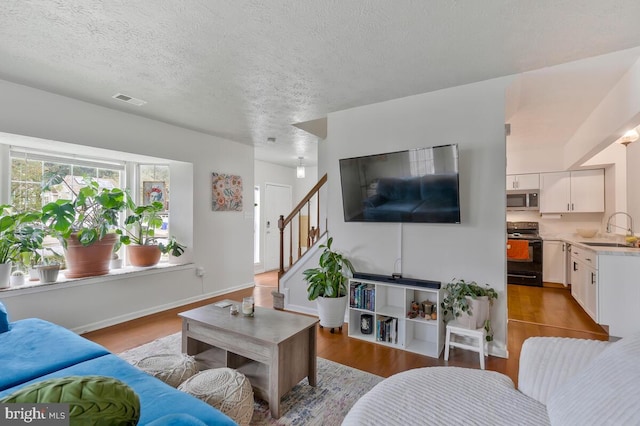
{"points": [[93, 400]]}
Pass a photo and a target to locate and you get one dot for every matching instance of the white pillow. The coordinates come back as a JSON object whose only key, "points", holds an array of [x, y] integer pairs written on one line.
{"points": [[606, 392]]}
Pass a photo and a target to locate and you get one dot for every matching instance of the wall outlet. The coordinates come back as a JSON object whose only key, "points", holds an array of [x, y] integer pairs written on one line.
{"points": [[200, 271]]}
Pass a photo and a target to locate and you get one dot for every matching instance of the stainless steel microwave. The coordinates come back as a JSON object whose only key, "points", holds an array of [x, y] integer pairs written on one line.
{"points": [[522, 200]]}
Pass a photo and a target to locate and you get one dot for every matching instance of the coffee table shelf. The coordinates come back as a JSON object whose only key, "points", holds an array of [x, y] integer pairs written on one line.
{"points": [[273, 349]]}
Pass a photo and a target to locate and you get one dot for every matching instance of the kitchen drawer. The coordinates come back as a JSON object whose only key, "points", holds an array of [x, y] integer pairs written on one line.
{"points": [[584, 255]]}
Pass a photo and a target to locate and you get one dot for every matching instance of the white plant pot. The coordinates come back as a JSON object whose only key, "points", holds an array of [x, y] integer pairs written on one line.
{"points": [[48, 273], [115, 264], [479, 313], [5, 275], [33, 274], [331, 311], [17, 280]]}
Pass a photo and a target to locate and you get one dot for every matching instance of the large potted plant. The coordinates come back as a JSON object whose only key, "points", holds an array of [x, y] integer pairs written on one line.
{"points": [[144, 249], [469, 303], [327, 285], [85, 225]]}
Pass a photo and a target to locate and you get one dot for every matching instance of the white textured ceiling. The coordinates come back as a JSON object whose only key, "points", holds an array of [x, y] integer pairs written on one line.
{"points": [[248, 70]]}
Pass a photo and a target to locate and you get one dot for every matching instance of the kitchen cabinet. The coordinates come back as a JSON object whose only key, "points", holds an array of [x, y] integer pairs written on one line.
{"points": [[579, 191], [618, 293], [584, 280], [523, 182], [554, 261]]}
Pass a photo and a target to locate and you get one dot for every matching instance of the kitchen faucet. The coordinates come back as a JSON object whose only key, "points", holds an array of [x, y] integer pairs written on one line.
{"points": [[629, 230]]}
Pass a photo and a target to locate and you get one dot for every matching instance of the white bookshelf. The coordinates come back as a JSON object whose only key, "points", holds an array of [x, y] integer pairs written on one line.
{"points": [[389, 304]]}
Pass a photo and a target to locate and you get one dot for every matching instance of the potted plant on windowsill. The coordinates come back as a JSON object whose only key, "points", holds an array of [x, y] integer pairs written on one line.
{"points": [[85, 225], [469, 305], [10, 239], [327, 284], [144, 248]]}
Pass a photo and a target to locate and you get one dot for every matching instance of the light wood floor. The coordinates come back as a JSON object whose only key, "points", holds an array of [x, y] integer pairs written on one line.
{"points": [[533, 311]]}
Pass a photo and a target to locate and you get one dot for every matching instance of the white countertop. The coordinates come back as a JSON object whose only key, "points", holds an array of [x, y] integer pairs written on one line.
{"points": [[577, 240]]}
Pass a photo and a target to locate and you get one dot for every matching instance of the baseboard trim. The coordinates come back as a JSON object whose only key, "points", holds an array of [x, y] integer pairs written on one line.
{"points": [[155, 309]]}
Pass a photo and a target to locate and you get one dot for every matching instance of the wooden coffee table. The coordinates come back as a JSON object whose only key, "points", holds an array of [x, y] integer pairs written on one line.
{"points": [[273, 349]]}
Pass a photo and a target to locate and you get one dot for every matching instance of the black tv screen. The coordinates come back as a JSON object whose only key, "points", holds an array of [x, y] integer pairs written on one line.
{"points": [[417, 185]]}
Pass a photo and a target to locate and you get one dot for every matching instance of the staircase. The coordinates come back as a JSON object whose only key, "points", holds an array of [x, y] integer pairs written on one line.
{"points": [[301, 228]]}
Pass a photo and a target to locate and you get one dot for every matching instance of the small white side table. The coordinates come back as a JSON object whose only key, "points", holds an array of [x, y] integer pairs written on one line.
{"points": [[480, 336]]}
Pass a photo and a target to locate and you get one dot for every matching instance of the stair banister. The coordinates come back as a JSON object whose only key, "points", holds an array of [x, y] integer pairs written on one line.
{"points": [[312, 231]]}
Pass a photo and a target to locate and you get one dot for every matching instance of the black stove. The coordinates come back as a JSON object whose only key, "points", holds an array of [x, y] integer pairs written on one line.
{"points": [[524, 269]]}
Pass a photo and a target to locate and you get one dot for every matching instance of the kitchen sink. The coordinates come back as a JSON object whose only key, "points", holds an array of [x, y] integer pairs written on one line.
{"points": [[594, 244]]}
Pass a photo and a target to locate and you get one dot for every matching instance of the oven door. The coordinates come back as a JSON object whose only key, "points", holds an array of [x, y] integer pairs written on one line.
{"points": [[524, 262]]}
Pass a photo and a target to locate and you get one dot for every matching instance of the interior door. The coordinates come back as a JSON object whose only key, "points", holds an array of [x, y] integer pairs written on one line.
{"points": [[277, 201]]}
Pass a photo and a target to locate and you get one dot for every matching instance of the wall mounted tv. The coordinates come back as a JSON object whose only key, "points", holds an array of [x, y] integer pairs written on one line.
{"points": [[417, 185]]}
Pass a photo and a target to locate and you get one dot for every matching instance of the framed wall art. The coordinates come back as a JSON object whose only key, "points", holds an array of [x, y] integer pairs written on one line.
{"points": [[226, 192], [154, 191]]}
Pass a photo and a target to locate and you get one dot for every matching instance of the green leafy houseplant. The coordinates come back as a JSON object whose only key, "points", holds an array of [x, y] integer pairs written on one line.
{"points": [[140, 227], [91, 215], [456, 301], [16, 232], [328, 279], [85, 225]]}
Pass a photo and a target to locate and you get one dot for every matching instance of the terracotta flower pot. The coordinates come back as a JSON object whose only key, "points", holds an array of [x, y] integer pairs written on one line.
{"points": [[91, 260], [143, 255]]}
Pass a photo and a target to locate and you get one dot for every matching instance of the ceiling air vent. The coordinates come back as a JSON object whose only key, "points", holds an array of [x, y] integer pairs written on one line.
{"points": [[129, 99]]}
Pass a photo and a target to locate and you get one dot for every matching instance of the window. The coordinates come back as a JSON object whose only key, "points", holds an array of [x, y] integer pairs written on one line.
{"points": [[29, 171]]}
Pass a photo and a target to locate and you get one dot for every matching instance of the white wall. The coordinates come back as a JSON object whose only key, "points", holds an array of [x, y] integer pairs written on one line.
{"points": [[618, 112], [222, 241], [472, 116]]}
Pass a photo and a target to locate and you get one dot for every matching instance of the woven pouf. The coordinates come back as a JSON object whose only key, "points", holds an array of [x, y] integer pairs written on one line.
{"points": [[226, 389], [172, 369]]}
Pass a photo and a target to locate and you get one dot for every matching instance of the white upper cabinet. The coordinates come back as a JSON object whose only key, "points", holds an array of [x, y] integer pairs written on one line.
{"points": [[587, 191], [572, 192], [523, 182]]}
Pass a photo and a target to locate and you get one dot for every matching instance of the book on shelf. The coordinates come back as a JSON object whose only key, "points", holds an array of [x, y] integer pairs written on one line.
{"points": [[362, 296], [387, 329]]}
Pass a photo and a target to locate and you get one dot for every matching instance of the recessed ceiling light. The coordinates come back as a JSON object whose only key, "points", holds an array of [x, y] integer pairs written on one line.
{"points": [[129, 99]]}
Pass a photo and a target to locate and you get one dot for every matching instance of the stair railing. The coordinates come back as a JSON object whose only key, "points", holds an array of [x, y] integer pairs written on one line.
{"points": [[307, 233]]}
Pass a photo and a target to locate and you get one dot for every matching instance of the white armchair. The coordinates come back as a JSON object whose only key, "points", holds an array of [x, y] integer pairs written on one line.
{"points": [[561, 381]]}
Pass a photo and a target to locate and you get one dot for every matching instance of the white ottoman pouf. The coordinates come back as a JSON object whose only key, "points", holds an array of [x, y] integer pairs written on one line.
{"points": [[226, 389], [172, 369]]}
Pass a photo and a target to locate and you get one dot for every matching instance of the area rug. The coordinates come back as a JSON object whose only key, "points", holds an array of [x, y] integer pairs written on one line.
{"points": [[338, 388]]}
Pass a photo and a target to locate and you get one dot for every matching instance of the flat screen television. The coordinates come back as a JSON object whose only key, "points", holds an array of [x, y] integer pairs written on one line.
{"points": [[417, 185]]}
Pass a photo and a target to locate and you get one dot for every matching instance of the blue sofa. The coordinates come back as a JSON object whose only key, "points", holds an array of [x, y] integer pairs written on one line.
{"points": [[32, 350], [429, 198]]}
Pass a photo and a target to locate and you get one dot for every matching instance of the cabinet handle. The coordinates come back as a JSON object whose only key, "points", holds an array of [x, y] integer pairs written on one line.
{"points": [[572, 208], [575, 266], [593, 278], [567, 206], [563, 247], [588, 260]]}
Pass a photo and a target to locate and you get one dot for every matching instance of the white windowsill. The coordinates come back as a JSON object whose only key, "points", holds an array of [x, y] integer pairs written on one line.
{"points": [[114, 274]]}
